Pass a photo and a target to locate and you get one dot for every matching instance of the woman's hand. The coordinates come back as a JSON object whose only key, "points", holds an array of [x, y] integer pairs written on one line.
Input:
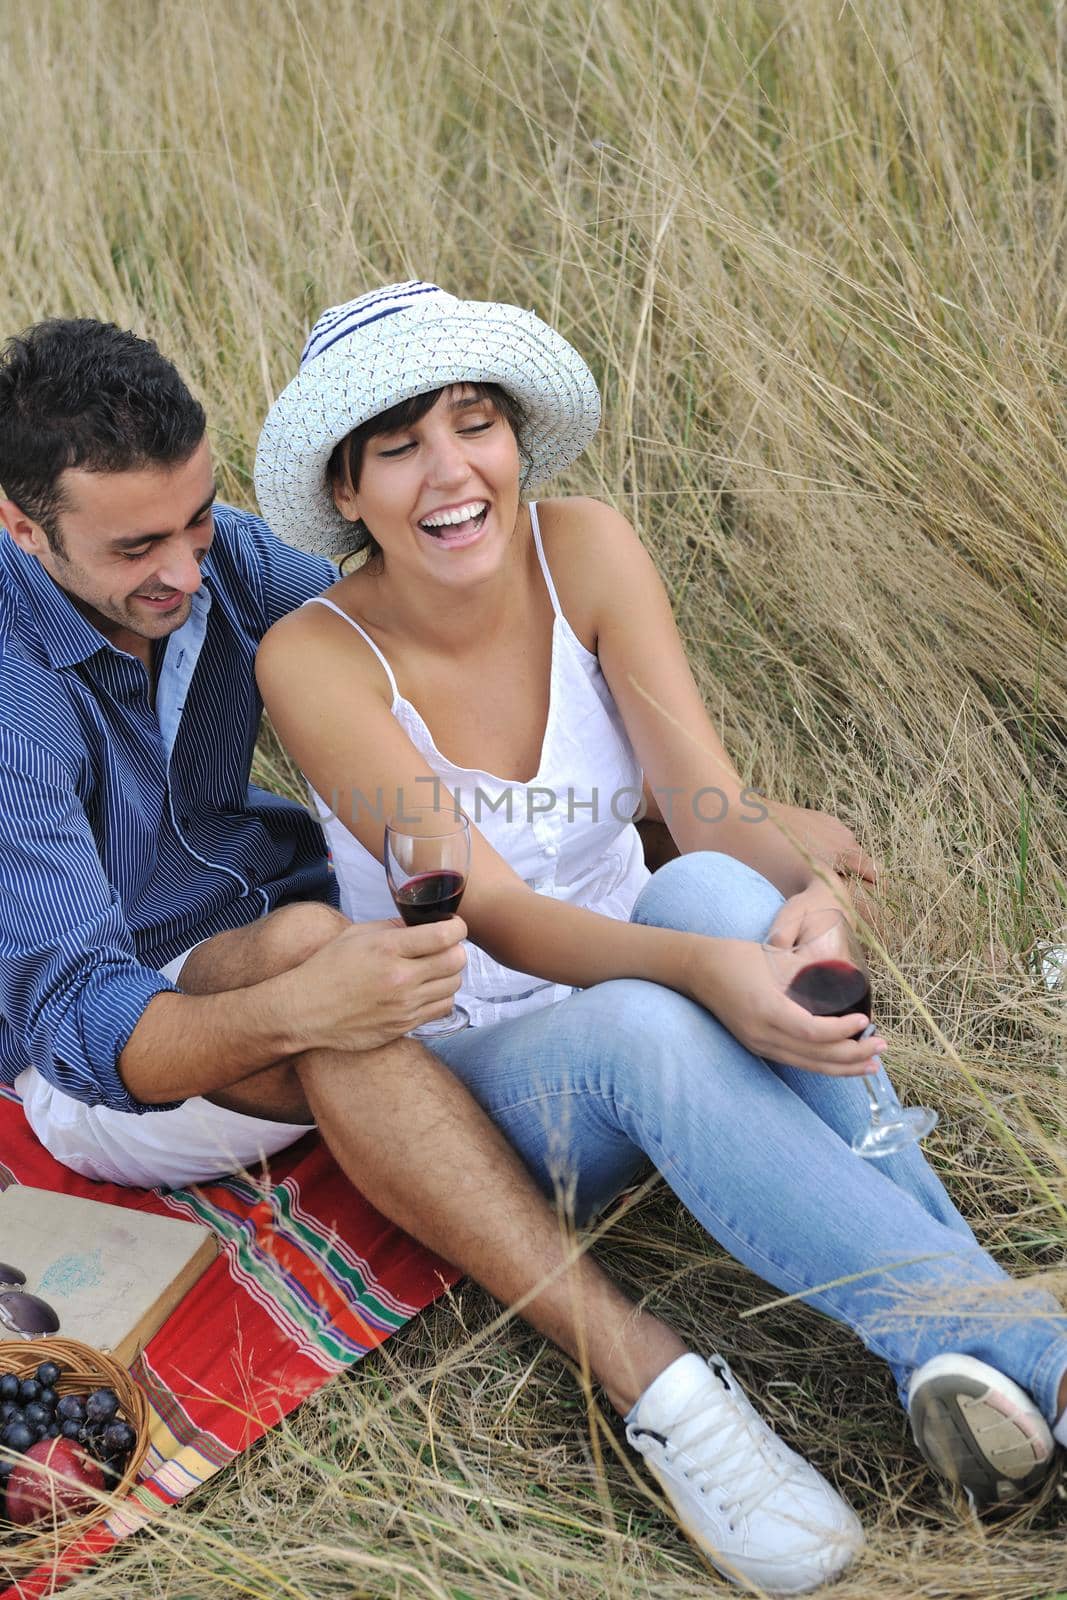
{"points": [[790, 925], [732, 978], [834, 847], [829, 841]]}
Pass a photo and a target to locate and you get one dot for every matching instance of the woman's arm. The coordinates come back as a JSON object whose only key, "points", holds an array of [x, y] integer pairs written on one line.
{"points": [[328, 700], [698, 790]]}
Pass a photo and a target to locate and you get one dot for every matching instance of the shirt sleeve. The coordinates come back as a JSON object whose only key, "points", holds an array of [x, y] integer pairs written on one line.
{"points": [[281, 578], [71, 986]]}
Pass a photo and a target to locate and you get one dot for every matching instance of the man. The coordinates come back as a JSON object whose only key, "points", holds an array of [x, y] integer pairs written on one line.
{"points": [[179, 995]]}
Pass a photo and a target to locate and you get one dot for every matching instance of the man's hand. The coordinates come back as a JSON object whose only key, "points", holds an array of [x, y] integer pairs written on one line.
{"points": [[361, 988], [732, 978], [373, 983]]}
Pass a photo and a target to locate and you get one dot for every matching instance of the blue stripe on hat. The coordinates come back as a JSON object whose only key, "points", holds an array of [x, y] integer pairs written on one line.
{"points": [[355, 317], [336, 314]]}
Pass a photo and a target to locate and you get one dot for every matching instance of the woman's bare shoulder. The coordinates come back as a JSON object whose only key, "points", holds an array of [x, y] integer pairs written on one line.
{"points": [[313, 647], [588, 546], [578, 515]]}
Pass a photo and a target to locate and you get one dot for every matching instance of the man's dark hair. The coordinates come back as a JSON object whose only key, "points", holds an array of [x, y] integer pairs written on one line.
{"points": [[79, 393]]}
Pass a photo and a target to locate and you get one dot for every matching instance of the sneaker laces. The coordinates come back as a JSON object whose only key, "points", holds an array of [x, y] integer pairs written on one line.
{"points": [[719, 1431]]}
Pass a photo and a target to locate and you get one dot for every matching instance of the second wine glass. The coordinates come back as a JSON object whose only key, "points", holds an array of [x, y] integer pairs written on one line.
{"points": [[427, 860], [826, 973]]}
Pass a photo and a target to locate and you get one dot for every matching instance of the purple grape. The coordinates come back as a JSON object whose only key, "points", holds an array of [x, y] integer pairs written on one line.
{"points": [[29, 1389], [119, 1438], [101, 1405], [17, 1436], [71, 1408], [9, 1386], [48, 1374]]}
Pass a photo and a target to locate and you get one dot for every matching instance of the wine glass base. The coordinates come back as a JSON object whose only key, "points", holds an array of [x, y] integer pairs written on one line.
{"points": [[888, 1137], [441, 1027]]}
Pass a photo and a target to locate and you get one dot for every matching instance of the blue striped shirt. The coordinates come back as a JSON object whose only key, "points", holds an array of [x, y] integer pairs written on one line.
{"points": [[129, 832]]}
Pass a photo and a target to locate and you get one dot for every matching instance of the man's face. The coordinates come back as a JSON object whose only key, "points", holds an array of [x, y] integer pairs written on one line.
{"points": [[132, 544]]}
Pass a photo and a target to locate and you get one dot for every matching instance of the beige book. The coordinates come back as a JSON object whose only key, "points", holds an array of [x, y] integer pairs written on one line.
{"points": [[113, 1276]]}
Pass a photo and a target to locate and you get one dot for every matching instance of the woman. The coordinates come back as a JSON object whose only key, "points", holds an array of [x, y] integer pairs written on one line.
{"points": [[520, 660]]}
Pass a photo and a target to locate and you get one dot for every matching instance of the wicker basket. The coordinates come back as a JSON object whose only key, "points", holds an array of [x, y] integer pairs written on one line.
{"points": [[84, 1369]]}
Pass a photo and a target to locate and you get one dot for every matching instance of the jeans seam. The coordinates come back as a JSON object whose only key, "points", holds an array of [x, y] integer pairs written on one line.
{"points": [[500, 1106]]}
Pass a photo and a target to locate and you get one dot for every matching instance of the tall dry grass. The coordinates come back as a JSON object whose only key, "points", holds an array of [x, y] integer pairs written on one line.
{"points": [[815, 255]]}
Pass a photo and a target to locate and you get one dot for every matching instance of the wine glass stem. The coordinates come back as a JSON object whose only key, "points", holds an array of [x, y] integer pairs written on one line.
{"points": [[880, 1092]]}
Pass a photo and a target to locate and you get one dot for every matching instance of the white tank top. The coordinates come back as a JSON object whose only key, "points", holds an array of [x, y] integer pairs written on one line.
{"points": [[567, 832]]}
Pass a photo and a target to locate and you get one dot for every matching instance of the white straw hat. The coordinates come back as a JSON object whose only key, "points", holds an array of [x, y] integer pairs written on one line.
{"points": [[392, 344]]}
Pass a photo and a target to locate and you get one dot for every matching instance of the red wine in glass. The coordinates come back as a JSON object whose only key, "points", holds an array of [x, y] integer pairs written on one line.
{"points": [[831, 989], [826, 973], [427, 858], [430, 897]]}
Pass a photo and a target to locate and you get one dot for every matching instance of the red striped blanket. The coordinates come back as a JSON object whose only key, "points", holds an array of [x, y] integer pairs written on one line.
{"points": [[308, 1279]]}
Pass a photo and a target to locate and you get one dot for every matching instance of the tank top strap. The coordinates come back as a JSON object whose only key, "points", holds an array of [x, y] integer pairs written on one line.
{"points": [[552, 595], [321, 600]]}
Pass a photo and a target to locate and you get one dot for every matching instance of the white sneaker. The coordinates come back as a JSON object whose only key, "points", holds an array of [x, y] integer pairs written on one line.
{"points": [[979, 1429], [760, 1512]]}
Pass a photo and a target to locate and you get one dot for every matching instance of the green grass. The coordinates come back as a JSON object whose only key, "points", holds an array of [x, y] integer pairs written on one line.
{"points": [[814, 253]]}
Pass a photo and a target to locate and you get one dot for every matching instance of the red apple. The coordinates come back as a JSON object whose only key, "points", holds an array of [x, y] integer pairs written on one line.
{"points": [[55, 1478]]}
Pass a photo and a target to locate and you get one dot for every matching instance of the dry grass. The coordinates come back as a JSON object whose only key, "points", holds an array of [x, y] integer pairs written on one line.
{"points": [[815, 254]]}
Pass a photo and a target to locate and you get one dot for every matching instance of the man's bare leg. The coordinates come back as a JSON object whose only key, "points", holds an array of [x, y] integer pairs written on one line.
{"points": [[413, 1140]]}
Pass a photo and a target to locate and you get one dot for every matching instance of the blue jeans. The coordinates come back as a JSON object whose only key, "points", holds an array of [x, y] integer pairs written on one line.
{"points": [[589, 1088]]}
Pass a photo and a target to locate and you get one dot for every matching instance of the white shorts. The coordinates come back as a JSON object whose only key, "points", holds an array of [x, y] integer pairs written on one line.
{"points": [[166, 1149]]}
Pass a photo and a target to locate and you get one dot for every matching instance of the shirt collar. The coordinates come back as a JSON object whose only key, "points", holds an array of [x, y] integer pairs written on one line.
{"points": [[68, 637]]}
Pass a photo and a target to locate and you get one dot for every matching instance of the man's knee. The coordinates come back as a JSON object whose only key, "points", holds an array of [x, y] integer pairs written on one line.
{"points": [[295, 932], [261, 950]]}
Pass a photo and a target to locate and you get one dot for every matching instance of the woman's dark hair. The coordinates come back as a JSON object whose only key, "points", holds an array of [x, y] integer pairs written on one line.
{"points": [[349, 451], [80, 393]]}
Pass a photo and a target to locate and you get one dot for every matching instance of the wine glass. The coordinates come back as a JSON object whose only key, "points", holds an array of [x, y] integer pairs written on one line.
{"points": [[427, 860], [22, 1314], [827, 974]]}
